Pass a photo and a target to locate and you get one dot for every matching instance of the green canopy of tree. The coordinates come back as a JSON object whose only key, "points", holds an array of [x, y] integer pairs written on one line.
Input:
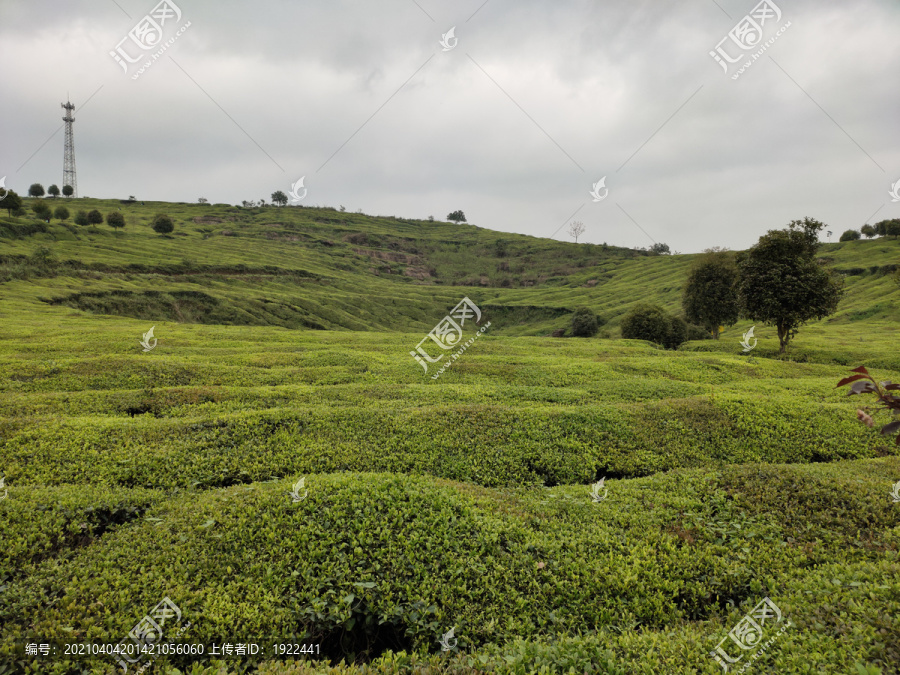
{"points": [[710, 297], [36, 190], [115, 219], [850, 235], [783, 284], [61, 213], [53, 191], [94, 217], [457, 216]]}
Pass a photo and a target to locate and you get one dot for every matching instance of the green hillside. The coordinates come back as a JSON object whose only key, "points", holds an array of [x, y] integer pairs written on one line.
{"points": [[465, 502]]}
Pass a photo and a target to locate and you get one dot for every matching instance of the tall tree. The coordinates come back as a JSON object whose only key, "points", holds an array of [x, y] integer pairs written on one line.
{"points": [[278, 197], [115, 219], [11, 202], [782, 283], [710, 297], [53, 191], [36, 190]]}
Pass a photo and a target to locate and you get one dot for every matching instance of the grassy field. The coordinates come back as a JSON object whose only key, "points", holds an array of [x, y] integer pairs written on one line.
{"points": [[464, 502]]}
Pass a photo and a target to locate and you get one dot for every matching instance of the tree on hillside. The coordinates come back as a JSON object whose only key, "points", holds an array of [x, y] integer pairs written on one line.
{"points": [[115, 219], [162, 224], [12, 202], [850, 235], [781, 282], [36, 190], [68, 191], [710, 296], [53, 191], [868, 230], [576, 229], [660, 249], [61, 213], [202, 200], [457, 216], [584, 323], [278, 197], [94, 217], [81, 218], [41, 210], [888, 228]]}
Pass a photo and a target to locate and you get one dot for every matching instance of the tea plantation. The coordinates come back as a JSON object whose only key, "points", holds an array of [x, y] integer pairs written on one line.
{"points": [[281, 351]]}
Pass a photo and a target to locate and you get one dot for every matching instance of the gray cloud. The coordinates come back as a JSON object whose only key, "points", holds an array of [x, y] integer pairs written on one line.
{"points": [[536, 102]]}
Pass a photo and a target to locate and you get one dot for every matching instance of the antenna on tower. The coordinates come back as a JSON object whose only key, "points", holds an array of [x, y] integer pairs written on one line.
{"points": [[69, 177]]}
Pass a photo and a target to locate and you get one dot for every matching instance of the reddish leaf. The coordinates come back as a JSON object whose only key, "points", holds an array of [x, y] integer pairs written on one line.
{"points": [[861, 369], [848, 380], [893, 387]]}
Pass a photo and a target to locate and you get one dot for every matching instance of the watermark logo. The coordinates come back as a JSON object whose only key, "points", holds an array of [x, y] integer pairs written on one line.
{"points": [[595, 490], [447, 334], [895, 191], [148, 34], [295, 195], [5, 490], [595, 192], [145, 343], [147, 633], [6, 192], [745, 340], [449, 40], [447, 640], [895, 493], [295, 493], [748, 34], [748, 634]]}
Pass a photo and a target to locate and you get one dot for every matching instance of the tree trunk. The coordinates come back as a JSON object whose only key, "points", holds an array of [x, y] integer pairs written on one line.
{"points": [[782, 338]]}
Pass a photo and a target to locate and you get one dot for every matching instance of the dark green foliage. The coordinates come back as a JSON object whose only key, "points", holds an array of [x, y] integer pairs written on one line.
{"points": [[115, 219], [41, 210], [68, 190], [278, 197], [888, 228], [12, 202], [868, 230], [710, 296], [653, 323], [456, 216], [61, 213], [36, 190], [53, 191], [162, 224], [584, 323], [81, 218], [850, 235], [782, 283], [94, 217], [660, 248]]}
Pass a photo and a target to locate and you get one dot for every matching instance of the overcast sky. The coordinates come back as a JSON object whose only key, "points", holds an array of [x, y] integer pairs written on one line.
{"points": [[512, 119]]}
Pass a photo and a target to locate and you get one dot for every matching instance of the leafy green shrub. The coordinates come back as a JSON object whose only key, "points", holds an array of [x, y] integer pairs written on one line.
{"points": [[94, 217], [162, 224], [584, 323], [61, 213], [81, 218], [653, 323], [850, 235]]}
